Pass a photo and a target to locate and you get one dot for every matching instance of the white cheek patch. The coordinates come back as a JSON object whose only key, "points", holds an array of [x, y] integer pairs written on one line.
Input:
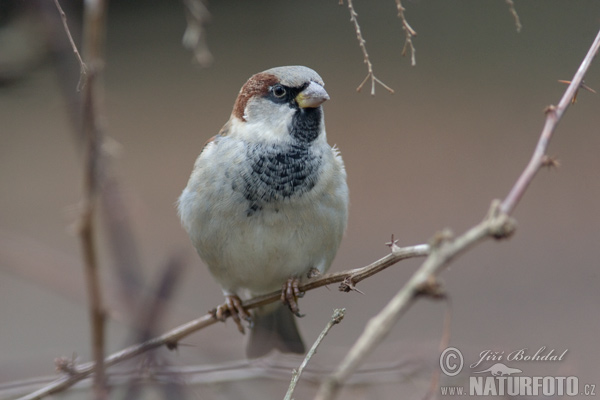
{"points": [[265, 120]]}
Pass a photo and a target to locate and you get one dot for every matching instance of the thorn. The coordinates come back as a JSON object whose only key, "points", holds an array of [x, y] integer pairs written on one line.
{"points": [[66, 364], [173, 345], [582, 85], [393, 244], [348, 286], [549, 109]]}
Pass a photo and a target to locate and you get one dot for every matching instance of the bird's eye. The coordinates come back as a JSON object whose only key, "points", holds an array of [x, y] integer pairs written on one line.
{"points": [[278, 91]]}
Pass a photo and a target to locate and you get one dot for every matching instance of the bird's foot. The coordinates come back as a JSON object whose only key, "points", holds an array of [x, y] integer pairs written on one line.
{"points": [[233, 306], [290, 293]]}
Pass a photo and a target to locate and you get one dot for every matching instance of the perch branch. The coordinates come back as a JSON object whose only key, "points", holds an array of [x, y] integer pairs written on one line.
{"points": [[422, 283], [497, 224], [170, 339]]}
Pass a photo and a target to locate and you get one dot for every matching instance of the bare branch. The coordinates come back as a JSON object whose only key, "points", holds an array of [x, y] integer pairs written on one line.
{"points": [[494, 225], [409, 32], [444, 342], [363, 48], [553, 116], [94, 27], [336, 318], [497, 224], [82, 66], [173, 336], [513, 12]]}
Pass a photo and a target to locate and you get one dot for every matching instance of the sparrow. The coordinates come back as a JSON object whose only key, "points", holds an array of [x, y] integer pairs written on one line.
{"points": [[267, 202]]}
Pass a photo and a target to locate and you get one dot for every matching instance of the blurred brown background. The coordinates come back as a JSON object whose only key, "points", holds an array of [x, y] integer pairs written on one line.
{"points": [[455, 135]]}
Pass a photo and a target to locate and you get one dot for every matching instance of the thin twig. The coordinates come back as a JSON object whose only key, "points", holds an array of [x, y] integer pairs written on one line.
{"points": [[363, 48], [444, 342], [553, 116], [273, 368], [151, 314], [336, 318], [173, 336], [513, 12], [121, 243], [82, 67], [409, 32], [497, 224]]}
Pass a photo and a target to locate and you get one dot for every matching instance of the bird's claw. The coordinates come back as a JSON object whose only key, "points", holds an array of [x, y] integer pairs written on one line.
{"points": [[290, 293], [233, 306]]}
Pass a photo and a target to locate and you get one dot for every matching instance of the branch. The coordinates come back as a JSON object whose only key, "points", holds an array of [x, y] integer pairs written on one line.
{"points": [[170, 338], [497, 224], [82, 67], [409, 32], [553, 116], [94, 24], [363, 47], [336, 318], [422, 283], [513, 12]]}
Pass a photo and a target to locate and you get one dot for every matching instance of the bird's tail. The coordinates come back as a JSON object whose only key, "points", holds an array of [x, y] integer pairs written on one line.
{"points": [[274, 328]]}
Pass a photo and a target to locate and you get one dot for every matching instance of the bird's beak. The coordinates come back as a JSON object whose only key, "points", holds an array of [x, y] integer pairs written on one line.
{"points": [[313, 96]]}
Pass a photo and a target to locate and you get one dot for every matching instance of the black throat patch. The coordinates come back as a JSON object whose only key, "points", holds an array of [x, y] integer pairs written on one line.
{"points": [[278, 173], [306, 124]]}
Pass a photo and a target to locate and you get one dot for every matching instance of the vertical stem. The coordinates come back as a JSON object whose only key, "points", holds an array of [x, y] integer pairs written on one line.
{"points": [[93, 46]]}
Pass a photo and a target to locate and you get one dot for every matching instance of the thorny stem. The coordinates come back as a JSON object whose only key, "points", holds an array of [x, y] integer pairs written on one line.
{"points": [[497, 224], [553, 116], [173, 336], [421, 283]]}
